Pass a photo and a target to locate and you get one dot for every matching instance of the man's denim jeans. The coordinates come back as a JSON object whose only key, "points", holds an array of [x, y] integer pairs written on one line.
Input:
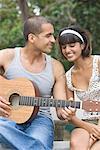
{"points": [[37, 135]]}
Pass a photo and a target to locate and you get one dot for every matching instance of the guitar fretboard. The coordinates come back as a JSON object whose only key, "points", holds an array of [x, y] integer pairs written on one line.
{"points": [[47, 102]]}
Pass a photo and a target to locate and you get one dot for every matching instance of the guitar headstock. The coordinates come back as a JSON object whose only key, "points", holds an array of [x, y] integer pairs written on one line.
{"points": [[91, 105]]}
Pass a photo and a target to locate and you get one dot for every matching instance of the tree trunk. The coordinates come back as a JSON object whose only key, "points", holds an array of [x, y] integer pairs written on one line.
{"points": [[24, 9]]}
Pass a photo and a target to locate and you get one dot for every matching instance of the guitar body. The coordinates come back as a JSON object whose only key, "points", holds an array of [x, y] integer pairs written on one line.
{"points": [[10, 89]]}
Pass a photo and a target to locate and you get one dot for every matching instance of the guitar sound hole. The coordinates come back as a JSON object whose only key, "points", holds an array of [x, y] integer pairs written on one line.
{"points": [[14, 99]]}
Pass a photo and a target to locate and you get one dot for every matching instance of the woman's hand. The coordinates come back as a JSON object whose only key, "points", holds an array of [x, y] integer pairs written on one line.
{"points": [[5, 109], [94, 131], [92, 141], [65, 113]]}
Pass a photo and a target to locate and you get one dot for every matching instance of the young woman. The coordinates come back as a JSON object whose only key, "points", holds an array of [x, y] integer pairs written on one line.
{"points": [[83, 78]]}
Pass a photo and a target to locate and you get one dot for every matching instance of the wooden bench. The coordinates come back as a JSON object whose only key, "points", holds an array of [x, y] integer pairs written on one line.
{"points": [[61, 145]]}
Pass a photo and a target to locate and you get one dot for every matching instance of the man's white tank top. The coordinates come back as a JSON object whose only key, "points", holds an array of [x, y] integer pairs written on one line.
{"points": [[44, 80]]}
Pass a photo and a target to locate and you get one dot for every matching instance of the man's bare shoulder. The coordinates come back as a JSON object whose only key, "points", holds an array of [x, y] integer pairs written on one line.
{"points": [[58, 68], [57, 63], [7, 51], [6, 55]]}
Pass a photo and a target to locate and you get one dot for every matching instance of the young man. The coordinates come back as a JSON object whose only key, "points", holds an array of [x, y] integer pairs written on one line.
{"points": [[32, 62]]}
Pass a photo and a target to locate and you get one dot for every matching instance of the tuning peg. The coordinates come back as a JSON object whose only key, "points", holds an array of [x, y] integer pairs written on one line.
{"points": [[91, 113], [96, 113]]}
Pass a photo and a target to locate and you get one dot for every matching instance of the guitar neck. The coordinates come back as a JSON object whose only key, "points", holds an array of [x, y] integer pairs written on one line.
{"points": [[47, 102]]}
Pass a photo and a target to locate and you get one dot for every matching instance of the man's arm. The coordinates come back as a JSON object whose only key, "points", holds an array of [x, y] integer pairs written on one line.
{"points": [[6, 57], [60, 90]]}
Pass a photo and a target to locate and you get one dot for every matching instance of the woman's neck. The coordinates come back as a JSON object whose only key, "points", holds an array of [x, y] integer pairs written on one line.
{"points": [[83, 63]]}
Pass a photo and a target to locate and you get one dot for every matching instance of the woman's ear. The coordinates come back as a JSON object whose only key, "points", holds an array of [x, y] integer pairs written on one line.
{"points": [[82, 46]]}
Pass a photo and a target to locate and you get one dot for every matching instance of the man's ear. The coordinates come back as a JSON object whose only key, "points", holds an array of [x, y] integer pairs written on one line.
{"points": [[31, 37]]}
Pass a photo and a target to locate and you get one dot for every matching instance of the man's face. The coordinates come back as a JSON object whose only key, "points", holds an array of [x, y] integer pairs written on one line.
{"points": [[45, 40]]}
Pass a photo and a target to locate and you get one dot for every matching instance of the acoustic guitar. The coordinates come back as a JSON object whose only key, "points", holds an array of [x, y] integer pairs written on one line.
{"points": [[25, 101]]}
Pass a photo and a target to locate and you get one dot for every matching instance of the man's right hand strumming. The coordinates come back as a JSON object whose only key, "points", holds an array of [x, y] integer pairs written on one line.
{"points": [[5, 108]]}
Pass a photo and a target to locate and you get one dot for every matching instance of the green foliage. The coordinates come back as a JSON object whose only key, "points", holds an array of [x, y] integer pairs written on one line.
{"points": [[10, 24]]}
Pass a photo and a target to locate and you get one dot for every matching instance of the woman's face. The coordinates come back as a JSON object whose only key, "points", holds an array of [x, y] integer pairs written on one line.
{"points": [[72, 51]]}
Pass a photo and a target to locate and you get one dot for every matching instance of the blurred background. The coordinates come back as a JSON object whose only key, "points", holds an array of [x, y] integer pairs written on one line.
{"points": [[63, 13]]}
